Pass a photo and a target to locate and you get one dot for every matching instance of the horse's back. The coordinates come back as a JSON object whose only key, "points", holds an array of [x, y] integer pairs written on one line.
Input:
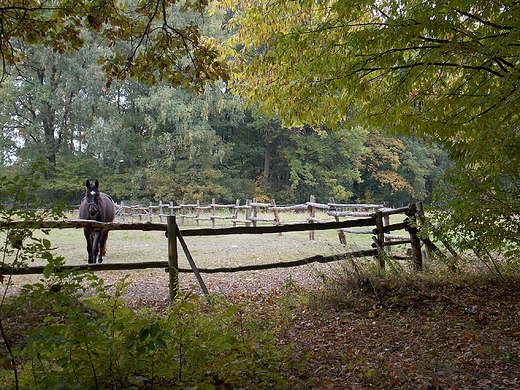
{"points": [[110, 207]]}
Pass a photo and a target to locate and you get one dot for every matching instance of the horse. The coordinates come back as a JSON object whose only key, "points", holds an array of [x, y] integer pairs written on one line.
{"points": [[96, 206]]}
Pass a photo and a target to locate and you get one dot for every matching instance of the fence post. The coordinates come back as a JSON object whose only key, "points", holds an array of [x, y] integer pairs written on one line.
{"points": [[380, 238], [421, 221], [213, 212], [248, 211], [173, 257], [276, 214], [160, 210], [183, 212], [312, 214], [415, 240], [341, 233], [255, 212], [386, 220], [235, 212]]}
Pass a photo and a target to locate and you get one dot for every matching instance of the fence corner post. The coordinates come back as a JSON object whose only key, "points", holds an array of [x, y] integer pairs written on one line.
{"points": [[415, 240], [173, 257], [380, 239]]}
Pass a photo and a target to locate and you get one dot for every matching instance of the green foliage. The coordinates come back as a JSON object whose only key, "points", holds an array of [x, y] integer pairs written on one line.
{"points": [[97, 341], [413, 61], [324, 163], [479, 214], [20, 200], [444, 71], [161, 45]]}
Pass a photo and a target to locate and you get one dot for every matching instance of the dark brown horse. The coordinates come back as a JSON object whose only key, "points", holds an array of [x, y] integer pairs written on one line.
{"points": [[100, 207]]}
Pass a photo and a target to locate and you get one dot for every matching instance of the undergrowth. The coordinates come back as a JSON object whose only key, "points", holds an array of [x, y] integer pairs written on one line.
{"points": [[363, 286], [95, 341]]}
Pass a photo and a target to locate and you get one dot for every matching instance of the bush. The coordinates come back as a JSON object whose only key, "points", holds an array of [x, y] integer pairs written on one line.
{"points": [[98, 342]]}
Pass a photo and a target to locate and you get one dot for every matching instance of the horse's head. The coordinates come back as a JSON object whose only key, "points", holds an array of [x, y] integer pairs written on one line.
{"points": [[92, 197]]}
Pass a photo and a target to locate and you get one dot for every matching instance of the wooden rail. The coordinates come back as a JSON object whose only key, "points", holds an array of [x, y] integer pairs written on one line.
{"points": [[174, 234]]}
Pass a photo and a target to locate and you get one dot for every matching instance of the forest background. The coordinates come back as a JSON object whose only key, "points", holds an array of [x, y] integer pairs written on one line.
{"points": [[150, 142]]}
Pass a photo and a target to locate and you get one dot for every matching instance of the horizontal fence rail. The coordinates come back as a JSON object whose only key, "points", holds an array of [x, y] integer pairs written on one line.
{"points": [[376, 220]]}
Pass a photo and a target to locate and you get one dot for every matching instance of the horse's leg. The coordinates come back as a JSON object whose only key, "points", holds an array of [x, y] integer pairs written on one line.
{"points": [[102, 245], [103, 236], [88, 237], [96, 245], [105, 246]]}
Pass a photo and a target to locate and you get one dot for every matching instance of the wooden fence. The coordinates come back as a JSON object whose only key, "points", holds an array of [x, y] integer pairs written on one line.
{"points": [[253, 212], [412, 215], [247, 213]]}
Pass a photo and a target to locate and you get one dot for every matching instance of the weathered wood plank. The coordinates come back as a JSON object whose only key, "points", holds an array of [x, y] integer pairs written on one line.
{"points": [[150, 226]]}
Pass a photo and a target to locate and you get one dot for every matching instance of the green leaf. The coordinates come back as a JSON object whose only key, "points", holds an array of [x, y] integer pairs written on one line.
{"points": [[46, 243], [144, 333], [154, 329], [48, 270]]}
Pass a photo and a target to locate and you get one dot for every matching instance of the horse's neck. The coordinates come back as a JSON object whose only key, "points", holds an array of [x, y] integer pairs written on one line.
{"points": [[102, 194]]}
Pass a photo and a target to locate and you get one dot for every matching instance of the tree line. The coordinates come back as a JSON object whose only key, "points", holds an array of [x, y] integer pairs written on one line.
{"points": [[161, 142]]}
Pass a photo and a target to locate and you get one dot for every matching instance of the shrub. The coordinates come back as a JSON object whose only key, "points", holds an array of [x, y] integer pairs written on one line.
{"points": [[98, 342]]}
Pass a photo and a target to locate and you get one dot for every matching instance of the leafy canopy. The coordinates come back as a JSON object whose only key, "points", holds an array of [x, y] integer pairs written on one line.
{"points": [[445, 70], [158, 46], [410, 64]]}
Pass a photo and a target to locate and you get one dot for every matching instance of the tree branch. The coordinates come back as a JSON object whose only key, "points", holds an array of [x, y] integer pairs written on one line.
{"points": [[479, 19]]}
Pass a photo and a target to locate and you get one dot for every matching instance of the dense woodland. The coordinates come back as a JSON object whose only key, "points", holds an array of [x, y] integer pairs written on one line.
{"points": [[159, 142]]}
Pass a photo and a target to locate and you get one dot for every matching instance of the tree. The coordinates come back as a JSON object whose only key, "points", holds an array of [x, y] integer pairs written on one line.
{"points": [[180, 145], [323, 163], [446, 71], [54, 104], [145, 39], [400, 170]]}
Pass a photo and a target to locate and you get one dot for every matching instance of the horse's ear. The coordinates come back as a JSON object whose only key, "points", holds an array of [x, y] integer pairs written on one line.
{"points": [[97, 184], [87, 184]]}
